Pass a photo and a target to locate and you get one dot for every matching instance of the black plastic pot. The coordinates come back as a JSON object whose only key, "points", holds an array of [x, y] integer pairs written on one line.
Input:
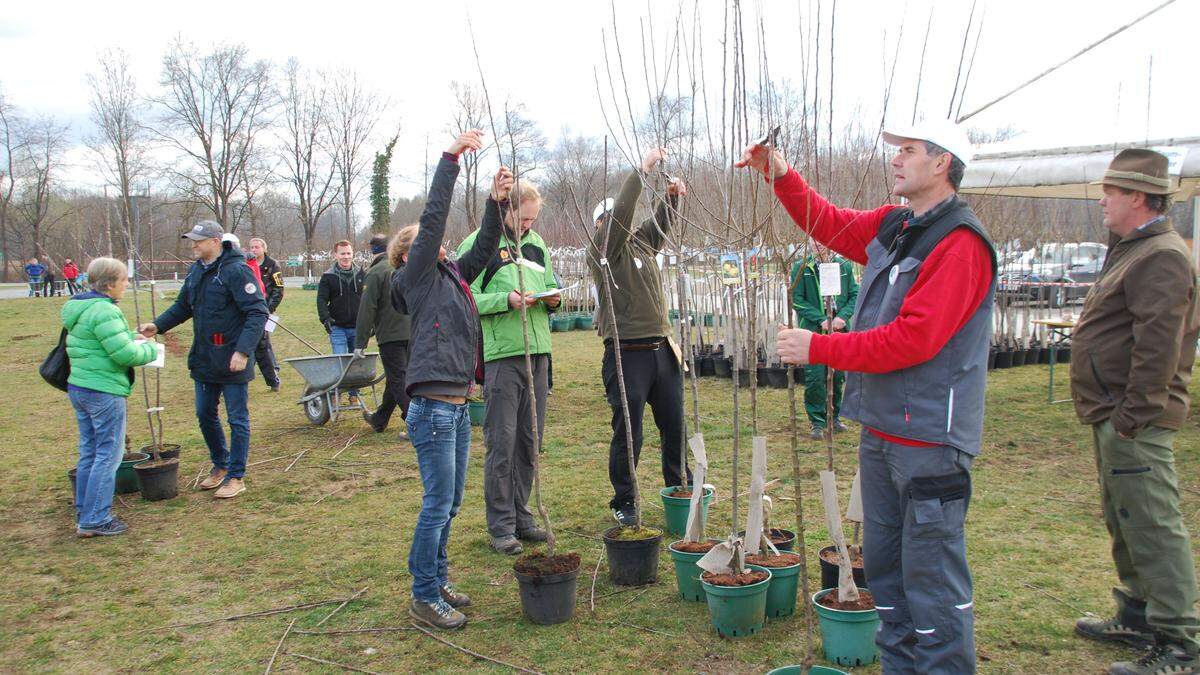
{"points": [[776, 377], [1043, 355], [760, 374], [1004, 359], [743, 377], [1064, 355], [548, 599], [159, 480], [632, 562], [798, 375], [722, 367], [705, 367], [991, 359], [169, 451], [829, 572]]}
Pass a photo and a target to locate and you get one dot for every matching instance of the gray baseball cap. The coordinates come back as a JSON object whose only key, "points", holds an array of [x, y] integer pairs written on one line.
{"points": [[205, 229]]}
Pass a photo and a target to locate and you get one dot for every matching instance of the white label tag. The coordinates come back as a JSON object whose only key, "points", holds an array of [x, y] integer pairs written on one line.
{"points": [[637, 262], [893, 275], [272, 320], [830, 278], [532, 265]]}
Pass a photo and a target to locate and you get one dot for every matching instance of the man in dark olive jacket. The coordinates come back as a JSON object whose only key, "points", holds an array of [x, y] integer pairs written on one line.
{"points": [[222, 298], [1136, 338], [377, 316]]}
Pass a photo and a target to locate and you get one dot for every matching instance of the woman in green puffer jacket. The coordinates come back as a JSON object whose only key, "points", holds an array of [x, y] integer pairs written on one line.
{"points": [[101, 349]]}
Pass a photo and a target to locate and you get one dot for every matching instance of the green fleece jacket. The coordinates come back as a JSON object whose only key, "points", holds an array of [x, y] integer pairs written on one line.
{"points": [[806, 294], [502, 335], [100, 345], [629, 254]]}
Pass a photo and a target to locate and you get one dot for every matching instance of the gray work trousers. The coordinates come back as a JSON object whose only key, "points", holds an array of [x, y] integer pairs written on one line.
{"points": [[915, 555], [511, 447]]}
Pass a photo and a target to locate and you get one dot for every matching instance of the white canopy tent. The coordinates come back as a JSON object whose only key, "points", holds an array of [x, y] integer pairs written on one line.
{"points": [[1067, 173]]}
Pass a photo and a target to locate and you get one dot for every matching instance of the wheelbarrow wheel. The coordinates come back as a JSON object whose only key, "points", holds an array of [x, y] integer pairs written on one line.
{"points": [[316, 409]]}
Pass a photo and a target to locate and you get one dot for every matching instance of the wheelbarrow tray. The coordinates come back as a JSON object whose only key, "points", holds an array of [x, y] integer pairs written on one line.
{"points": [[341, 370]]}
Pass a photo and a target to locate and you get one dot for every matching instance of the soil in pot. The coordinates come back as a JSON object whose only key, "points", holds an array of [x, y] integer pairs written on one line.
{"points": [[773, 561], [743, 579], [782, 539], [632, 554], [165, 451], [547, 586], [158, 479], [684, 554], [127, 482], [864, 602], [828, 558]]}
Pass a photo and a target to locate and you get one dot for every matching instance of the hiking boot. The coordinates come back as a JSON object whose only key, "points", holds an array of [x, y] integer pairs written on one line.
{"points": [[369, 418], [839, 426], [438, 614], [110, 529], [274, 387], [353, 401], [534, 534], [1164, 659], [625, 515], [232, 488], [506, 545], [453, 597], [214, 480], [1113, 631], [816, 433]]}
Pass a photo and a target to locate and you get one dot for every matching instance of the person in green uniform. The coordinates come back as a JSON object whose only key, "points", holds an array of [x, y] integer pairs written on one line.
{"points": [[811, 315]]}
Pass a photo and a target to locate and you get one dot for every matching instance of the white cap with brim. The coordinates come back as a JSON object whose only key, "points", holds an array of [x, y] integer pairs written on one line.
{"points": [[944, 133], [232, 238], [603, 208]]}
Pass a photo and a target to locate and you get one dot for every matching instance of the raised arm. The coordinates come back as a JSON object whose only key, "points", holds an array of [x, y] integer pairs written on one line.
{"points": [[473, 261], [619, 228]]}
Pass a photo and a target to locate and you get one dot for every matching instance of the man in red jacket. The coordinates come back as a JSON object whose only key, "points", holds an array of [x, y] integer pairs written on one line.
{"points": [[916, 363], [70, 272]]}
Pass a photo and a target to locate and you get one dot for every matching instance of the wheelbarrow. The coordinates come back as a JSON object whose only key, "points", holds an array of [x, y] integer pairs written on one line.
{"points": [[326, 376]]}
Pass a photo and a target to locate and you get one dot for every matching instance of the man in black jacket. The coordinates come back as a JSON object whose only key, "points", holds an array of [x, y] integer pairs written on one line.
{"points": [[338, 297], [377, 316], [222, 298], [272, 280]]}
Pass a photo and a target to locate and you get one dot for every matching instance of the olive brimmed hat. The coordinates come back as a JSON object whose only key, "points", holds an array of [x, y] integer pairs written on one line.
{"points": [[1139, 169]]}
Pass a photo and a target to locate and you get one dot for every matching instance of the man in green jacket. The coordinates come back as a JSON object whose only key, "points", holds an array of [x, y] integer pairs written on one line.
{"points": [[650, 365], [1136, 338], [811, 315], [510, 441], [377, 316]]}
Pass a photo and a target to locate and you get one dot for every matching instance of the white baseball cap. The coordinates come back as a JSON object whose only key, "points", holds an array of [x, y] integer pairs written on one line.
{"points": [[232, 238], [945, 133], [603, 208]]}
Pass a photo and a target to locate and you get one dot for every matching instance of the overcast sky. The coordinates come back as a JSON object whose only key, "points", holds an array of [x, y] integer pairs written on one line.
{"points": [[544, 54]]}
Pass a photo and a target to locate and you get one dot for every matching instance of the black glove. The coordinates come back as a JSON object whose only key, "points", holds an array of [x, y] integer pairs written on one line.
{"points": [[328, 327]]}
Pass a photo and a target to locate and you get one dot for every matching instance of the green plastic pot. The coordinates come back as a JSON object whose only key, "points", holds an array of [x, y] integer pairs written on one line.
{"points": [[848, 637], [687, 573], [583, 321], [676, 509], [781, 594], [561, 324], [476, 410], [738, 611], [127, 481], [814, 670]]}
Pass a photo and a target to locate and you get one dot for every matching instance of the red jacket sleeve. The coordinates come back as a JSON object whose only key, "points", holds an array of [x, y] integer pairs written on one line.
{"points": [[847, 231], [951, 284]]}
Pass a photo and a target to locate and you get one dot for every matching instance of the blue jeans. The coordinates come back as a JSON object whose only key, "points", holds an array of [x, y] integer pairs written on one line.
{"points": [[101, 419], [441, 434], [35, 287], [208, 397], [342, 340]]}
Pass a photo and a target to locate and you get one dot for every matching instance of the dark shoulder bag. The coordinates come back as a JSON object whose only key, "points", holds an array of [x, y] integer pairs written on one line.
{"points": [[57, 367]]}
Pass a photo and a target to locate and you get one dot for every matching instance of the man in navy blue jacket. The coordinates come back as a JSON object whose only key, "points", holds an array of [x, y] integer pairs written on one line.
{"points": [[228, 313]]}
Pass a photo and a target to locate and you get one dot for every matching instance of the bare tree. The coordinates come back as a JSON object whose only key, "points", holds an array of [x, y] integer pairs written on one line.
{"points": [[117, 112], [12, 145], [355, 109], [214, 106], [470, 112], [308, 165], [46, 142]]}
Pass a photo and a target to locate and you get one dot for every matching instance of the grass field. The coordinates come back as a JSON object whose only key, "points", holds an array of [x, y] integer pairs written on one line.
{"points": [[1037, 543]]}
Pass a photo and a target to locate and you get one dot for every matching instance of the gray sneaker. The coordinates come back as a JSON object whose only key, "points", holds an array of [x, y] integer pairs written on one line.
{"points": [[438, 614], [533, 534], [453, 597], [816, 433], [1164, 659], [110, 529], [1113, 631], [506, 545]]}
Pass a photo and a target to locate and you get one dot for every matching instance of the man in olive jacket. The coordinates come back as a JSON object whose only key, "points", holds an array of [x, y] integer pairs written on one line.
{"points": [[811, 315], [653, 373], [1136, 341], [377, 316], [511, 445]]}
